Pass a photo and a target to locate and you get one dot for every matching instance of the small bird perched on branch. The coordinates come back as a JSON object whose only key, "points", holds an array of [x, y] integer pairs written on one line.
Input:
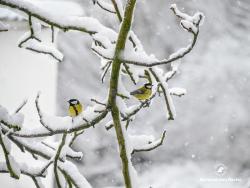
{"points": [[75, 108], [143, 93]]}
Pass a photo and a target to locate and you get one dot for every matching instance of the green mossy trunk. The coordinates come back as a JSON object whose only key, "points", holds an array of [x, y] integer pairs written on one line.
{"points": [[120, 45]]}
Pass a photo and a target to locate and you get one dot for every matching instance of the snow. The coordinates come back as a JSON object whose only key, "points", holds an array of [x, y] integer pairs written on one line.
{"points": [[3, 167], [6, 143], [170, 74], [59, 123], [9, 15], [43, 47], [105, 41], [105, 5], [88, 24], [170, 100], [36, 168], [32, 79], [161, 77], [181, 14], [136, 40], [177, 91], [3, 27], [138, 141], [120, 7], [109, 124], [16, 119], [121, 88], [14, 165], [191, 19], [121, 105], [3, 113], [39, 182], [73, 153], [59, 7], [131, 108], [189, 26], [130, 54], [74, 173], [64, 152], [179, 52], [129, 148]]}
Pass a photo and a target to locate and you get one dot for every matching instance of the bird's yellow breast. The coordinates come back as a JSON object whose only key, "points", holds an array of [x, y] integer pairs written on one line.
{"points": [[75, 110], [144, 95]]}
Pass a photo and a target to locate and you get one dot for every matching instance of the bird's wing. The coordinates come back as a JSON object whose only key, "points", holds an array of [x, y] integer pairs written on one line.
{"points": [[138, 91]]}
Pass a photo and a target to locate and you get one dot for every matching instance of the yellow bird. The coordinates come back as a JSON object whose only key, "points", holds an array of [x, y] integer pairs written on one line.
{"points": [[75, 107], [143, 93]]}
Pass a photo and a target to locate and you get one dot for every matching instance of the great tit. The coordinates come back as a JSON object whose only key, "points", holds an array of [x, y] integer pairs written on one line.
{"points": [[75, 107], [143, 93]]}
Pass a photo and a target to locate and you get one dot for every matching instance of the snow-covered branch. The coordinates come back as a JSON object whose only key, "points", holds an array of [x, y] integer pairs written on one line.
{"points": [[151, 145], [105, 6], [57, 156], [84, 24], [190, 24], [133, 110], [40, 148], [40, 113], [31, 42], [11, 164], [164, 87]]}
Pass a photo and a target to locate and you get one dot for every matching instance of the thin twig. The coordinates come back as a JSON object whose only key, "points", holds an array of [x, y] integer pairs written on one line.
{"points": [[7, 160], [21, 106], [52, 34], [40, 113], [43, 52], [136, 110], [35, 182], [103, 7], [170, 113], [97, 102], [106, 70], [57, 158], [129, 73]]}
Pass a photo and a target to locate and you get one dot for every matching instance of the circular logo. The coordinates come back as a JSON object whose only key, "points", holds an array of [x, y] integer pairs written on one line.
{"points": [[220, 169]]}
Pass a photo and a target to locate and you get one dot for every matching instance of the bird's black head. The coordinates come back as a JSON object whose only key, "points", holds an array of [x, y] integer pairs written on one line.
{"points": [[73, 101], [148, 86]]}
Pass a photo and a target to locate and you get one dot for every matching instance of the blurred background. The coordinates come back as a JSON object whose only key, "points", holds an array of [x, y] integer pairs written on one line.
{"points": [[212, 128]]}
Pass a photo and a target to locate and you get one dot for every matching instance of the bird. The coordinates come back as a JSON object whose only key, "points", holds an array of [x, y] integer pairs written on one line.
{"points": [[143, 93], [75, 108]]}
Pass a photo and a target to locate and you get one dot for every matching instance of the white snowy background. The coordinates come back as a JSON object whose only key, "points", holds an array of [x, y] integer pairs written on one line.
{"points": [[212, 126]]}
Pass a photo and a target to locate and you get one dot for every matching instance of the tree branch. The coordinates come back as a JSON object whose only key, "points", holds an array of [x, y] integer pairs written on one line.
{"points": [[120, 45], [19, 108], [151, 146], [40, 113], [7, 159], [168, 100], [105, 6], [46, 17], [57, 158]]}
